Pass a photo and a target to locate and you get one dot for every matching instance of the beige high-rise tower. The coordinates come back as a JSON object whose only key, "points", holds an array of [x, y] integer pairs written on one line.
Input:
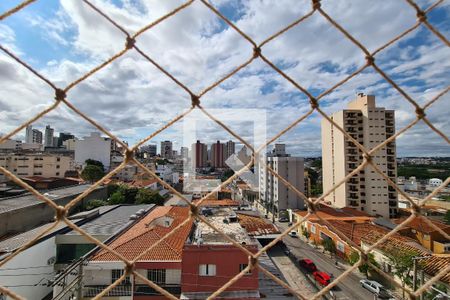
{"points": [[367, 190]]}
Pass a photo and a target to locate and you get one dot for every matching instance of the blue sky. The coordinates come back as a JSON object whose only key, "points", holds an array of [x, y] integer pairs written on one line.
{"points": [[64, 39]]}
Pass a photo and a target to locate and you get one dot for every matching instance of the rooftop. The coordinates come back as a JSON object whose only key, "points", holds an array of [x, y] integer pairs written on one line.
{"points": [[12, 203], [255, 225], [330, 213], [146, 232], [224, 219], [217, 202], [420, 225]]}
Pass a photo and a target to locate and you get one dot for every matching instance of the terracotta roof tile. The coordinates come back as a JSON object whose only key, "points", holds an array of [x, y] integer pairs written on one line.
{"points": [[216, 202], [420, 225], [143, 234], [256, 226]]}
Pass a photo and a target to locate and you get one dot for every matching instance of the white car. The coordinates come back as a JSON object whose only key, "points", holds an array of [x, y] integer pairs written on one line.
{"points": [[376, 288], [293, 233]]}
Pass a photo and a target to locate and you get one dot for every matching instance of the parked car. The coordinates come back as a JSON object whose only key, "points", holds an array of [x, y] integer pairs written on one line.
{"points": [[293, 233], [283, 219], [376, 288], [307, 265], [322, 278]]}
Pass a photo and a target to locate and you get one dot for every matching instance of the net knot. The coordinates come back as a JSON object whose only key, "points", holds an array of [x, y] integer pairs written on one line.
{"points": [[316, 4], [421, 16], [60, 212], [311, 207], [370, 60], [314, 103], [420, 113], [60, 95], [256, 52], [195, 100], [194, 210], [130, 43], [129, 268], [129, 154]]}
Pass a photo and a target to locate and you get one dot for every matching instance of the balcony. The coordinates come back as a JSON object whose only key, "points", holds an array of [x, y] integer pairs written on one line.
{"points": [[353, 196], [391, 189], [393, 203], [353, 181], [391, 174], [353, 203], [392, 196], [390, 159], [391, 167], [390, 152], [389, 130]]}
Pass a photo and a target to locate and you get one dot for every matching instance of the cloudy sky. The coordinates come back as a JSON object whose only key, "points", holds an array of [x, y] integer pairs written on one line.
{"points": [[66, 38]]}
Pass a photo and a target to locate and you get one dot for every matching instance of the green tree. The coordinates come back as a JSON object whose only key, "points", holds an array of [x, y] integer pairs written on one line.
{"points": [[117, 198], [365, 268], [447, 217], [329, 246], [227, 174], [92, 173], [92, 162], [95, 203], [145, 196], [306, 233], [402, 263], [111, 188]]}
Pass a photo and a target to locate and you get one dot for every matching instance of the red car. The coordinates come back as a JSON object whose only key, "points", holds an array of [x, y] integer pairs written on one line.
{"points": [[307, 265], [322, 278]]}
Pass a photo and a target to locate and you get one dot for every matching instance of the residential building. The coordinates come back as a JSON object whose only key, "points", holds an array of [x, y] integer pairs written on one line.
{"points": [[184, 151], [37, 136], [230, 149], [11, 145], [127, 173], [33, 135], [209, 260], [274, 194], [93, 147], [199, 154], [149, 149], [162, 265], [366, 190], [64, 136], [40, 164], [217, 155], [69, 144], [429, 237], [48, 141], [166, 149], [29, 134]]}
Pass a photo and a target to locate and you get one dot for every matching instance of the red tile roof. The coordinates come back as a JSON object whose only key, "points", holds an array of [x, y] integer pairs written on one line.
{"points": [[256, 226], [420, 225], [330, 213], [144, 234], [216, 202]]}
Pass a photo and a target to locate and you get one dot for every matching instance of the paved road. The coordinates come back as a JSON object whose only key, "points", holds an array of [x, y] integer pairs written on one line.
{"points": [[348, 288], [294, 277]]}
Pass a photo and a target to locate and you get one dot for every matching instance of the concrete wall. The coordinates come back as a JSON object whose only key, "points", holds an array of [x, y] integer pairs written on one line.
{"points": [[35, 260], [26, 218]]}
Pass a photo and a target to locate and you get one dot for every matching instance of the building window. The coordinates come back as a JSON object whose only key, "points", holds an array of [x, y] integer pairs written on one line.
{"points": [[116, 274], [242, 267], [207, 270], [313, 228], [340, 246], [158, 276]]}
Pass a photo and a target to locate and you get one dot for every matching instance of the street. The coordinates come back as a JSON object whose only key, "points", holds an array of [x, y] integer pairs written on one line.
{"points": [[348, 288]]}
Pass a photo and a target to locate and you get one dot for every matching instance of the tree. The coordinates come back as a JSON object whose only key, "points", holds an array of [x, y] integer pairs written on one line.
{"points": [[353, 258], [402, 263], [117, 198], [447, 217], [328, 245], [92, 173], [92, 162], [145, 196], [227, 174], [95, 203], [306, 233]]}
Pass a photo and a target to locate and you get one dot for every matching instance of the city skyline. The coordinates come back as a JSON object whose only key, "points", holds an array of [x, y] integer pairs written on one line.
{"points": [[62, 27]]}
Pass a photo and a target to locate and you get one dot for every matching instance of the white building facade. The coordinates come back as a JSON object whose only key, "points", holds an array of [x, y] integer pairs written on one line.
{"points": [[93, 147]]}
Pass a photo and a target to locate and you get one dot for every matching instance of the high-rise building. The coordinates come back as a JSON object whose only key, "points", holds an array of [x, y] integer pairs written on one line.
{"points": [[37, 136], [217, 155], [199, 152], [366, 190], [166, 149], [229, 149], [48, 142], [149, 149], [64, 136], [184, 152], [29, 134], [274, 194]]}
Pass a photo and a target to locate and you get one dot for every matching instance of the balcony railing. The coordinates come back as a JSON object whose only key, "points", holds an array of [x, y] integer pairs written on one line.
{"points": [[118, 291]]}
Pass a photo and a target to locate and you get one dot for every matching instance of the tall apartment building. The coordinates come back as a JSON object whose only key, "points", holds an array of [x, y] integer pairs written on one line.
{"points": [[217, 155], [230, 149], [199, 155], [149, 149], [93, 147], [274, 194], [48, 141], [64, 136], [38, 164], [367, 190], [184, 151], [33, 136], [166, 149]]}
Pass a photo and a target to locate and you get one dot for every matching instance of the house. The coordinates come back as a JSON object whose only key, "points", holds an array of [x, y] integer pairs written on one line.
{"points": [[428, 236], [161, 265], [210, 261]]}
